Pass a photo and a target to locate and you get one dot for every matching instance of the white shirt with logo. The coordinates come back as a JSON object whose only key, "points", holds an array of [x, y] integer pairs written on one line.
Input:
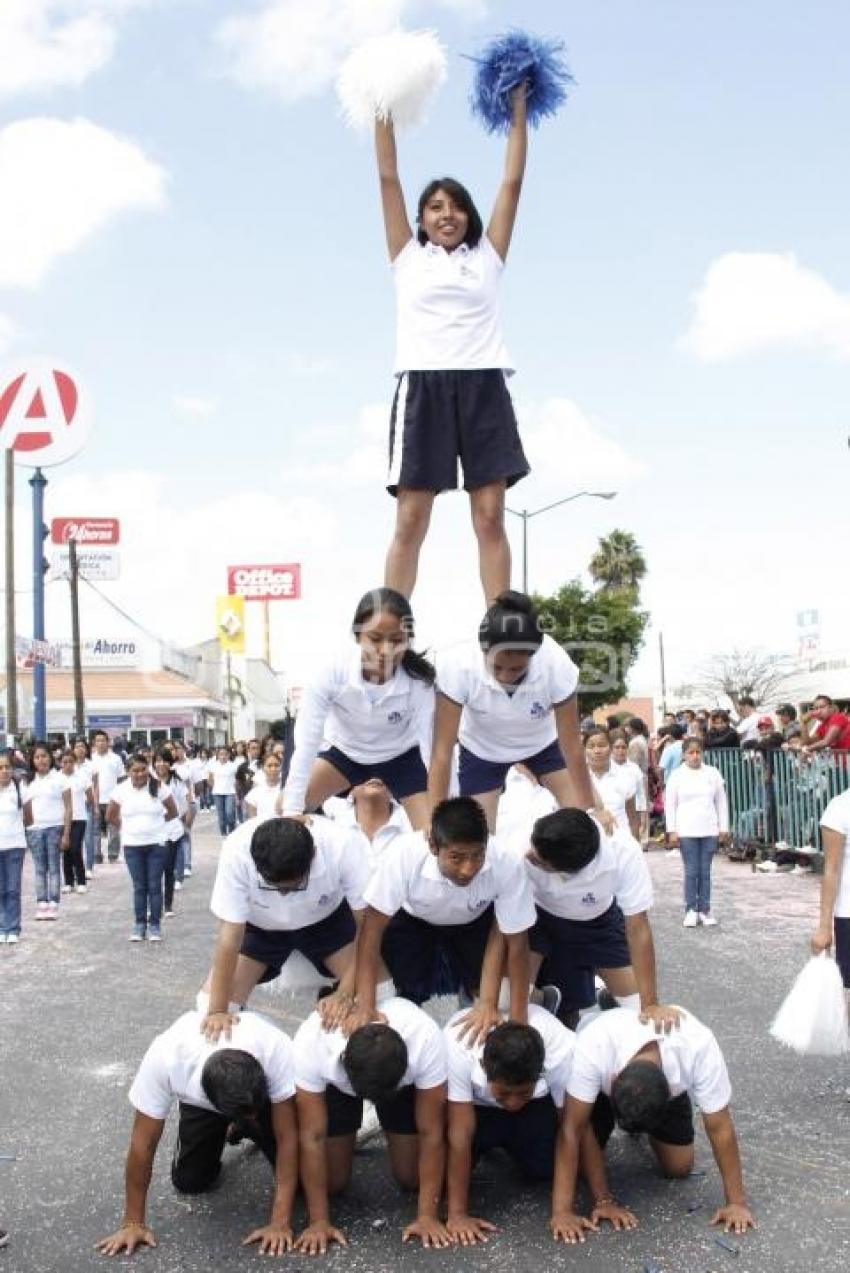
{"points": [[341, 811], [368, 723], [615, 787], [171, 1068], [318, 1052], [447, 308], [617, 873], [469, 1083], [690, 1058], [338, 872], [409, 878], [499, 726]]}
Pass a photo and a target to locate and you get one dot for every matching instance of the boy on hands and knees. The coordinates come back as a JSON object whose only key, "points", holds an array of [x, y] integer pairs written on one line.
{"points": [[399, 1063], [651, 1082], [509, 1094], [454, 892], [593, 893], [283, 885], [250, 1083]]}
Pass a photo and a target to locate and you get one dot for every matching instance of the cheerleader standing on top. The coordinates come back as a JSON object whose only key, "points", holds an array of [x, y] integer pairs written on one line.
{"points": [[452, 402]]}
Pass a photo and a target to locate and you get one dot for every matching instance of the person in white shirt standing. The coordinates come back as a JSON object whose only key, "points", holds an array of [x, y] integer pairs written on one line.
{"points": [[652, 1082], [50, 831], [82, 760], [249, 1082], [510, 698], [835, 884], [78, 783], [222, 778], [748, 724], [15, 817], [697, 817], [372, 706], [452, 400], [139, 808], [185, 769], [108, 771], [616, 786], [265, 798]]}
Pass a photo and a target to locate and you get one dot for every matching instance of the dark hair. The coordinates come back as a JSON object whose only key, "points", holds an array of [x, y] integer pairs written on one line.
{"points": [[826, 699], [567, 839], [458, 195], [139, 758], [640, 1094], [721, 713], [100, 733], [746, 701], [282, 850], [38, 745], [692, 740], [235, 1083], [786, 709], [378, 599], [513, 1054], [598, 731], [677, 732], [81, 742], [638, 726], [374, 1060], [68, 751], [460, 820], [10, 756], [512, 622]]}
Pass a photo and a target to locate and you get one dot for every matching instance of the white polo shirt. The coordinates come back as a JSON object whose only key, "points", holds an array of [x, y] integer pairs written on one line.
{"points": [[690, 1058], [12, 833], [341, 810], [617, 873], [142, 814], [172, 1066], [468, 1082], [499, 726], [447, 308], [266, 801], [409, 878], [339, 870], [78, 783], [318, 1052], [368, 723], [222, 775], [522, 802], [110, 770], [836, 817], [45, 793], [618, 784]]}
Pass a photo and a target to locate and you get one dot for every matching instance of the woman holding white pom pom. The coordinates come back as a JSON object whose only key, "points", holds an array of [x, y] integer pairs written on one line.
{"points": [[452, 402]]}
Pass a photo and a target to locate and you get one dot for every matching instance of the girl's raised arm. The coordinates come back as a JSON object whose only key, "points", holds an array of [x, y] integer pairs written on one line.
{"points": [[396, 223], [502, 220]]}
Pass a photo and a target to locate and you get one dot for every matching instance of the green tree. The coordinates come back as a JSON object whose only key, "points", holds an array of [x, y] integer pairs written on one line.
{"points": [[602, 630], [618, 562]]}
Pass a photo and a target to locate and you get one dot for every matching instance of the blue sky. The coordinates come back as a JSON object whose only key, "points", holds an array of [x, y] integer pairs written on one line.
{"points": [[234, 320]]}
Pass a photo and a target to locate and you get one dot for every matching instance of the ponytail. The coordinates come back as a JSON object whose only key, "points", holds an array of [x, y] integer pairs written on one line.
{"points": [[387, 599]]}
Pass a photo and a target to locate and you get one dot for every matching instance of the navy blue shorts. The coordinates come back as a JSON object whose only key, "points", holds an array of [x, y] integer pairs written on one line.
{"points": [[397, 1114], [435, 959], [440, 417], [529, 1136], [842, 946], [273, 947], [404, 775], [574, 949], [477, 776]]}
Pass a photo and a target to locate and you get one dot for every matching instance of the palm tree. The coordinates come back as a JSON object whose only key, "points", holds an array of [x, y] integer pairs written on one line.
{"points": [[618, 562]]}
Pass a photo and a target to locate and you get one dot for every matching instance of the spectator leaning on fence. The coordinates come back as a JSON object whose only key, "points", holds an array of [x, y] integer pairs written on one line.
{"points": [[790, 727], [835, 884], [832, 730], [720, 732], [749, 721]]}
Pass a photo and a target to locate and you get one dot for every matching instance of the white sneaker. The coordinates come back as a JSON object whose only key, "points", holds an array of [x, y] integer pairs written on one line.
{"points": [[707, 921], [3, 939], [768, 865], [187, 870], [800, 869], [67, 888], [690, 920], [12, 939], [41, 910], [82, 888], [177, 886], [52, 910]]}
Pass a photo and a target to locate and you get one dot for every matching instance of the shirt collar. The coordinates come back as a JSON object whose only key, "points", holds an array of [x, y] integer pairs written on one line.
{"points": [[434, 249]]}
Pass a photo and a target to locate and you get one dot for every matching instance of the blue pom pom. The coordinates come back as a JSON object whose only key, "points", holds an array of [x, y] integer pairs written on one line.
{"points": [[506, 62]]}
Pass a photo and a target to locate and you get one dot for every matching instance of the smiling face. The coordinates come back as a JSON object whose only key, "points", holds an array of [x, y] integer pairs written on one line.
{"points": [[443, 220]]}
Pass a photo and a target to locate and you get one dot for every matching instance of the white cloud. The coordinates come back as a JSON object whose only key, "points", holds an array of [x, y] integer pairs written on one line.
{"points": [[197, 408], [567, 448], [56, 43], [61, 182], [754, 302]]}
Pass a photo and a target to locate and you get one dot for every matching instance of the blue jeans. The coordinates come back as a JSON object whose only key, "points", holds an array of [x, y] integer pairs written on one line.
{"points": [[697, 852], [44, 845], [88, 843], [225, 807], [11, 870], [146, 864]]}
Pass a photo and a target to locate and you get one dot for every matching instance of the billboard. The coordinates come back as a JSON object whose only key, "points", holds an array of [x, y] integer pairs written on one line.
{"points": [[102, 565], [230, 624], [85, 530], [265, 583]]}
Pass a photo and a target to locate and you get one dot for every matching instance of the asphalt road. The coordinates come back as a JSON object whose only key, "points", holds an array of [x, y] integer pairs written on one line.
{"points": [[79, 1005]]}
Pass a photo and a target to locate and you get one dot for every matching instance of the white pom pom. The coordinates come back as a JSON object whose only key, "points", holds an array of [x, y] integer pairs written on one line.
{"points": [[391, 76]]}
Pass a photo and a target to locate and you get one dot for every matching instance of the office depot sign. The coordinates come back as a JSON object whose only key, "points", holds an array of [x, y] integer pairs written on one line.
{"points": [[265, 583], [84, 530]]}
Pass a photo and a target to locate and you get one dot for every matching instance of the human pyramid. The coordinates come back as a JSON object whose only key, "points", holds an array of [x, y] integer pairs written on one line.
{"points": [[517, 925]]}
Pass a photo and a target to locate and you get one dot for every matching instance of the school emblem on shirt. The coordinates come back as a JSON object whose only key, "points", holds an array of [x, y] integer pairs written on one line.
{"points": [[477, 906], [324, 899], [395, 718], [537, 711], [589, 899]]}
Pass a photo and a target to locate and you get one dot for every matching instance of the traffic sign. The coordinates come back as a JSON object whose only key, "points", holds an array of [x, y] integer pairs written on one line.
{"points": [[44, 415], [85, 530]]}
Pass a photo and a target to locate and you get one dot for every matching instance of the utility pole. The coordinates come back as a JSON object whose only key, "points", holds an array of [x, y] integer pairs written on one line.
{"points": [[39, 674], [229, 679], [76, 652], [11, 665]]}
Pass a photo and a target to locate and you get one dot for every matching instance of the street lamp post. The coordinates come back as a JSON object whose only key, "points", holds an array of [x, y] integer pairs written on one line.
{"points": [[526, 516]]}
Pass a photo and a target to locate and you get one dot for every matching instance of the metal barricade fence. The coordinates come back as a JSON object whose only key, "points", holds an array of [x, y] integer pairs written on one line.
{"points": [[778, 797]]}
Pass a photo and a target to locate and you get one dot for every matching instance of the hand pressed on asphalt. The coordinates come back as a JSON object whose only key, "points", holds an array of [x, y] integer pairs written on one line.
{"points": [[128, 1237], [735, 1218]]}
